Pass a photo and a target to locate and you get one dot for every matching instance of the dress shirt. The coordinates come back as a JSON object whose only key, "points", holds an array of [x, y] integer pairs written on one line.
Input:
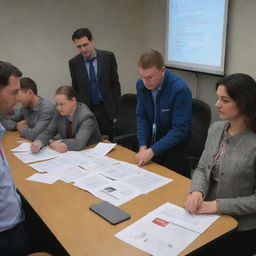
{"points": [[11, 212], [37, 118]]}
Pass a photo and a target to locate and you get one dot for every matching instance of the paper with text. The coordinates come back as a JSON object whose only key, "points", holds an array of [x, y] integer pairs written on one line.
{"points": [[158, 235]]}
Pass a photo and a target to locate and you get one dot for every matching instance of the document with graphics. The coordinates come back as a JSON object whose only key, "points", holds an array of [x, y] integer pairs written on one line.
{"points": [[167, 230]]}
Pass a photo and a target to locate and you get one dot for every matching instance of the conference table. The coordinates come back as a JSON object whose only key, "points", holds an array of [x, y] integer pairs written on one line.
{"points": [[64, 208]]}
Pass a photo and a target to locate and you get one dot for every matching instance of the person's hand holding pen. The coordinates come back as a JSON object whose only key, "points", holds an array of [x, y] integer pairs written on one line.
{"points": [[193, 202], [35, 146]]}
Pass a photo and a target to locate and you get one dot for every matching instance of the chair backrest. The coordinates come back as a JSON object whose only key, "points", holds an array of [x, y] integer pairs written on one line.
{"points": [[201, 118], [40, 254], [126, 115]]}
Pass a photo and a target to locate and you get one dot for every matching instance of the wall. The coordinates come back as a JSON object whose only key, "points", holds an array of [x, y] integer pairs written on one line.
{"points": [[36, 36], [240, 50]]}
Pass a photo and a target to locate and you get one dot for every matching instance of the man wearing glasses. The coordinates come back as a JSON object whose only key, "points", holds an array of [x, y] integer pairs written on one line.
{"points": [[163, 114], [95, 79]]}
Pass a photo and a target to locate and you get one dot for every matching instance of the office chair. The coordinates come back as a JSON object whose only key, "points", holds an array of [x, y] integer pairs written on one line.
{"points": [[40, 254], [125, 126], [201, 118]]}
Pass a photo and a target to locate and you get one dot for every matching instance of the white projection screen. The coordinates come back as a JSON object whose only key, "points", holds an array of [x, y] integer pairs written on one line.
{"points": [[196, 35]]}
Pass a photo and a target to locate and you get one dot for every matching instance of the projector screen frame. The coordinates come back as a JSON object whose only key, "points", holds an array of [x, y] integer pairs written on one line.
{"points": [[193, 67]]}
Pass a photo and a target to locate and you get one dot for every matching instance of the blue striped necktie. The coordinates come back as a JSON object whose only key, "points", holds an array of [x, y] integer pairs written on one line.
{"points": [[95, 97]]}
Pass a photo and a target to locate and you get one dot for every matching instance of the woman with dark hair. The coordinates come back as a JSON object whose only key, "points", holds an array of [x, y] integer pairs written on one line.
{"points": [[73, 123], [225, 180]]}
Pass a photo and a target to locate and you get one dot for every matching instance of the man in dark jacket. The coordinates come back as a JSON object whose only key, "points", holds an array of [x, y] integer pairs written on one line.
{"points": [[95, 79], [163, 114]]}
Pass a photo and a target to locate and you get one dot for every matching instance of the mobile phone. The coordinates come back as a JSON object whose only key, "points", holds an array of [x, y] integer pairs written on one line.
{"points": [[110, 212]]}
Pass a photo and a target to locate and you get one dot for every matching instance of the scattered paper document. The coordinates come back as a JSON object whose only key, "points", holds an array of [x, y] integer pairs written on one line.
{"points": [[116, 193], [121, 170], [158, 235], [23, 147], [44, 154], [103, 148], [56, 164], [98, 163], [69, 174], [44, 178], [146, 181]]}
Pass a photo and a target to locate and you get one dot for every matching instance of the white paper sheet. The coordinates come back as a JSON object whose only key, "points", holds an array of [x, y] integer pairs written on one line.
{"points": [[98, 163], [146, 181], [121, 170], [181, 217], [102, 149], [56, 164], [157, 235], [44, 154], [43, 178], [92, 182], [116, 193], [23, 147], [69, 174]]}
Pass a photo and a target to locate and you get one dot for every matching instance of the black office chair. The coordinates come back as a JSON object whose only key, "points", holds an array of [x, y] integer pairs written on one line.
{"points": [[125, 133], [201, 118]]}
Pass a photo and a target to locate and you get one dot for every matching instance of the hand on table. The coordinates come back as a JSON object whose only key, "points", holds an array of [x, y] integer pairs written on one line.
{"points": [[59, 146], [144, 155]]}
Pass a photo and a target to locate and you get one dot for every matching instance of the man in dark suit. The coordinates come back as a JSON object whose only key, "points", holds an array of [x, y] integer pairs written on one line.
{"points": [[95, 79]]}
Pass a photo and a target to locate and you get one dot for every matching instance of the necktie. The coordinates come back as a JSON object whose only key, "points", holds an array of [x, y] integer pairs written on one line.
{"points": [[69, 129], [95, 97]]}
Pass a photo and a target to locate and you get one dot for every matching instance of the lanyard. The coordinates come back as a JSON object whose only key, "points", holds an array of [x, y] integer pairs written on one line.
{"points": [[154, 126]]}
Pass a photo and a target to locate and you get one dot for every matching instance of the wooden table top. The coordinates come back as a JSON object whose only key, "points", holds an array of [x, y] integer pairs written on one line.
{"points": [[64, 208]]}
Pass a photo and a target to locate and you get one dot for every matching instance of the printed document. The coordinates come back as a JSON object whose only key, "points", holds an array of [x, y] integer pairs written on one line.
{"points": [[23, 147], [161, 233], [44, 154]]}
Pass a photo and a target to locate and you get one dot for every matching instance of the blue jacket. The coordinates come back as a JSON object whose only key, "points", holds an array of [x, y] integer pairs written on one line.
{"points": [[173, 114]]}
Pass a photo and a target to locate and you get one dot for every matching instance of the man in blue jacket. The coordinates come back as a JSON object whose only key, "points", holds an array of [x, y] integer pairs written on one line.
{"points": [[163, 114]]}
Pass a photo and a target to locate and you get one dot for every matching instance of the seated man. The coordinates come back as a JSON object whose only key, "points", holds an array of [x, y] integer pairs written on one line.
{"points": [[163, 114], [14, 238], [36, 112], [73, 123]]}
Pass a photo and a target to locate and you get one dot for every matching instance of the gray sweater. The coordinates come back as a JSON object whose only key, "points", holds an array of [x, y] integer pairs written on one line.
{"points": [[235, 192]]}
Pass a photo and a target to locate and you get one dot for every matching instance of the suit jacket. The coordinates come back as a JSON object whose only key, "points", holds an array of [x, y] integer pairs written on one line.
{"points": [[235, 192], [84, 129], [107, 79]]}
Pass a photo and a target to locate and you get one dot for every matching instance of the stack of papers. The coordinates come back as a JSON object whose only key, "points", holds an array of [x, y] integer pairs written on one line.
{"points": [[167, 230]]}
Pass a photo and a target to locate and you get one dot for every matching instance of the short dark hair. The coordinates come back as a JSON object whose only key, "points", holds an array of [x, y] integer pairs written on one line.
{"points": [[242, 89], [151, 58], [27, 83], [82, 32], [7, 70], [66, 90]]}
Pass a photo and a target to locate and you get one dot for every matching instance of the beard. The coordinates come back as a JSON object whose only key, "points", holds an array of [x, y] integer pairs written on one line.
{"points": [[6, 110]]}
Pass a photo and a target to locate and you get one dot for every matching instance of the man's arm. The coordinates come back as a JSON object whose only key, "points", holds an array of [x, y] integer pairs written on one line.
{"points": [[73, 76], [50, 131], [144, 125], [181, 116], [43, 121], [10, 122], [115, 77]]}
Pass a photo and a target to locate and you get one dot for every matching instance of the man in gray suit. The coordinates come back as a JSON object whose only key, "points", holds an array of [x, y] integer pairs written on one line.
{"points": [[73, 123], [95, 79]]}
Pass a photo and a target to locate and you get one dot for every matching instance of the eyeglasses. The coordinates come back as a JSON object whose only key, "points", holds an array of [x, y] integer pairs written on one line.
{"points": [[60, 105], [81, 45], [148, 77]]}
